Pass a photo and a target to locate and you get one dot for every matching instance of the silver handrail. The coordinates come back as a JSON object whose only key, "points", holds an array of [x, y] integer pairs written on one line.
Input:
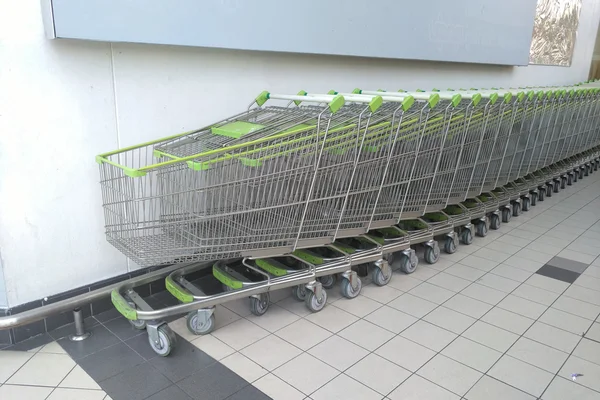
{"points": [[39, 313]]}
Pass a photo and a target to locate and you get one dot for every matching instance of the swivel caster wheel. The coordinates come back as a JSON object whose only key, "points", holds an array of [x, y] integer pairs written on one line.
{"points": [[299, 292], [350, 292], [313, 303], [165, 341], [495, 221], [328, 281], [197, 325], [138, 324], [450, 245], [506, 215], [525, 203], [259, 305], [482, 229], [516, 209], [406, 262], [466, 237], [381, 275], [432, 254]]}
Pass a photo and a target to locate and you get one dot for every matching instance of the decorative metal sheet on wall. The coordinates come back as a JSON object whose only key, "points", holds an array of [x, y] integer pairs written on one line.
{"points": [[554, 32]]}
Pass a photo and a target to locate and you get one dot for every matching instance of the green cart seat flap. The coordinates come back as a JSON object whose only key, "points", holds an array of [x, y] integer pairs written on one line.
{"points": [[309, 257], [273, 267], [236, 129], [225, 278]]}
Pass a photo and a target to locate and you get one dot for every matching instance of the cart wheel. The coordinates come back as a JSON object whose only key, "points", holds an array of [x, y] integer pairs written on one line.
{"points": [[328, 281], [556, 186], [466, 237], [312, 303], [260, 305], [495, 221], [549, 190], [348, 291], [516, 209], [534, 197], [586, 170], [482, 229], [167, 340], [136, 323], [526, 204], [563, 183], [506, 215], [541, 194], [198, 328], [407, 265], [569, 180], [450, 246], [299, 292], [432, 254], [379, 278]]}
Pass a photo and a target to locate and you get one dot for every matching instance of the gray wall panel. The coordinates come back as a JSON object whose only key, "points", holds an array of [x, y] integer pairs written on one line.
{"points": [[475, 31]]}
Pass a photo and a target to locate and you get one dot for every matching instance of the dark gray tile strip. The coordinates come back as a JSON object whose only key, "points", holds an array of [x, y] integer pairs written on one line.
{"points": [[567, 264], [558, 273], [119, 358]]}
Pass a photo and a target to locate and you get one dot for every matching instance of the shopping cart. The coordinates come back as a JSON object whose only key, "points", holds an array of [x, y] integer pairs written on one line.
{"points": [[291, 195]]}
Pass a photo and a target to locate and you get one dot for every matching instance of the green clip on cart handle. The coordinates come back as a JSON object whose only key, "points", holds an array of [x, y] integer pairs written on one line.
{"points": [[432, 99], [374, 102], [335, 102], [405, 99]]}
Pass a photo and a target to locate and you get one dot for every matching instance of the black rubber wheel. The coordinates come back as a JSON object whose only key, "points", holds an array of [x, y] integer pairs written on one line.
{"points": [[313, 303], [548, 190], [260, 305], [379, 278], [328, 281], [466, 237], [495, 221], [432, 254], [586, 170], [506, 215], [450, 246], [167, 341], [569, 180], [541, 195], [575, 176], [481, 229], [299, 292], [525, 203], [556, 187], [516, 209], [581, 174], [348, 291], [563, 183], [533, 199], [197, 328], [407, 265]]}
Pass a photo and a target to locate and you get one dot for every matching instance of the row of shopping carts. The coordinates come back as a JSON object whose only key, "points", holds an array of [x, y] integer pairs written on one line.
{"points": [[300, 190]]}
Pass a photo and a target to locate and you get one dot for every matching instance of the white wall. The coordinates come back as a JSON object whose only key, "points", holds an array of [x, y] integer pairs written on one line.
{"points": [[62, 102]]}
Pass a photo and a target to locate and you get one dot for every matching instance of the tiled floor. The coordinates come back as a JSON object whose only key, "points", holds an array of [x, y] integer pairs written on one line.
{"points": [[513, 316]]}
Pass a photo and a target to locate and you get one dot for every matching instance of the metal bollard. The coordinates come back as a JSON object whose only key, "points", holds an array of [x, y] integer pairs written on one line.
{"points": [[80, 333]]}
